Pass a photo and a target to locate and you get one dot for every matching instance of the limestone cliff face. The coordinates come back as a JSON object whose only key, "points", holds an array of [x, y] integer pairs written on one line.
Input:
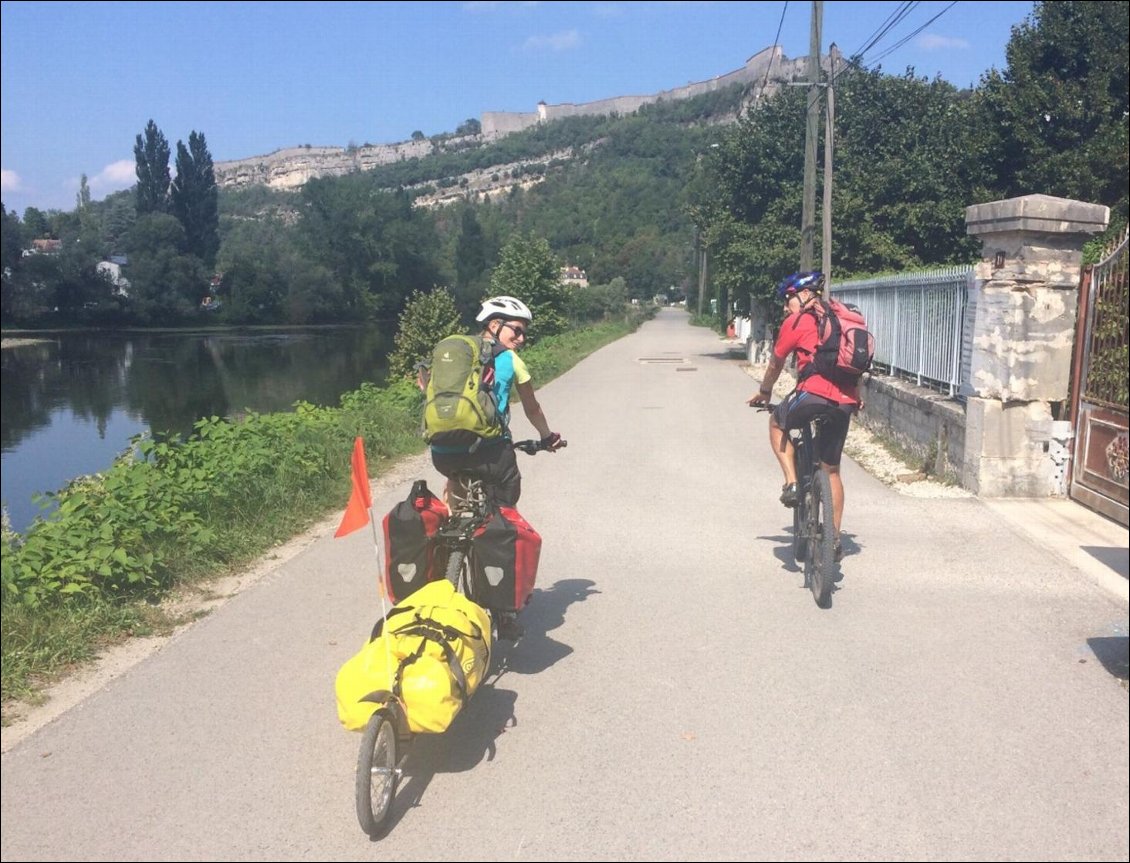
{"points": [[292, 167]]}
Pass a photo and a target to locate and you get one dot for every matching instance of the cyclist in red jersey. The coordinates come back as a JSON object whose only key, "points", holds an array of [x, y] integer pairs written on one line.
{"points": [[814, 394]]}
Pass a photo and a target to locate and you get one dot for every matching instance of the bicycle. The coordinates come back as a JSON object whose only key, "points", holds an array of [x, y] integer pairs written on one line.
{"points": [[814, 528], [386, 739]]}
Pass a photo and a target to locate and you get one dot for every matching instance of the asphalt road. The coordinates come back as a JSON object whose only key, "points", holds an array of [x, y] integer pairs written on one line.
{"points": [[678, 696]]}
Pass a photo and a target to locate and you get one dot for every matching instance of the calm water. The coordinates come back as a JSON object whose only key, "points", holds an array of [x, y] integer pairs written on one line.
{"points": [[71, 404]]}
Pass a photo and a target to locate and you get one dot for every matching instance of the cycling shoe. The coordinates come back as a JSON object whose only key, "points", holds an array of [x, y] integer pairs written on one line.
{"points": [[788, 494]]}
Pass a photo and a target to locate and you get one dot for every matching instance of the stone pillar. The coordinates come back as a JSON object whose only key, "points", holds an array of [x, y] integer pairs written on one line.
{"points": [[1023, 334]]}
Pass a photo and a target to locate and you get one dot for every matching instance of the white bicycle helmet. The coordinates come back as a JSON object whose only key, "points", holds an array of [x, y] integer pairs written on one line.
{"points": [[504, 307]]}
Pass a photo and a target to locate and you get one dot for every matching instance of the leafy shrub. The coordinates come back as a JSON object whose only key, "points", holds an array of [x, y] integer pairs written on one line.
{"points": [[427, 318]]}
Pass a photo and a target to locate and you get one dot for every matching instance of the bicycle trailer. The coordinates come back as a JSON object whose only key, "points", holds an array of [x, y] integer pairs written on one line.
{"points": [[430, 653]]}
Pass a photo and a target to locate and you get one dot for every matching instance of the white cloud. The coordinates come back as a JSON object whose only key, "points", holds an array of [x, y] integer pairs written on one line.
{"points": [[114, 177], [9, 181], [563, 41], [932, 42]]}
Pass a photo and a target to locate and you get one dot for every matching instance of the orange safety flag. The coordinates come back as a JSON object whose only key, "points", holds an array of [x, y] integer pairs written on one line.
{"points": [[360, 501]]}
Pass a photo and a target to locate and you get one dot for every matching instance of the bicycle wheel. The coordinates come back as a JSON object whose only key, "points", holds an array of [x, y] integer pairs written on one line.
{"points": [[800, 511], [800, 527], [377, 774], [456, 572], [822, 539]]}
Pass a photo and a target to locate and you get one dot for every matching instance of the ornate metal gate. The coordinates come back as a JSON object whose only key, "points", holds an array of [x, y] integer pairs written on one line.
{"points": [[1100, 405]]}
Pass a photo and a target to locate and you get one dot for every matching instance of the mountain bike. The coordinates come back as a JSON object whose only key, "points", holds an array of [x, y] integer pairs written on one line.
{"points": [[387, 738], [814, 528]]}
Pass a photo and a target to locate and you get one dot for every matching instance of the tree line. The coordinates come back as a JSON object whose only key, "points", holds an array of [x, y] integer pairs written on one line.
{"points": [[635, 198]]}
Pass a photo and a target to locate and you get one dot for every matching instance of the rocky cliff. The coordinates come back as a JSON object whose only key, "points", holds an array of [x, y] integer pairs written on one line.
{"points": [[292, 167]]}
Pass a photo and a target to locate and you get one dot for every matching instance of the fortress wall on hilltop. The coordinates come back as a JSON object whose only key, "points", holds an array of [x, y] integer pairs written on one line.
{"points": [[498, 123], [495, 124], [291, 167]]}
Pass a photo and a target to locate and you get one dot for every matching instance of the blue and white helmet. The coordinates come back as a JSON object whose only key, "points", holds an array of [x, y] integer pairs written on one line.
{"points": [[810, 281]]}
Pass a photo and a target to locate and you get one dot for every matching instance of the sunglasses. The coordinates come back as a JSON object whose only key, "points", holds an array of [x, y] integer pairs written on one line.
{"points": [[519, 332]]}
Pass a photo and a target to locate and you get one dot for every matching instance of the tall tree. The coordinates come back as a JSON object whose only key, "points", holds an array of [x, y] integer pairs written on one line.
{"points": [[529, 271], [82, 199], [89, 221], [194, 198], [151, 154], [1057, 116]]}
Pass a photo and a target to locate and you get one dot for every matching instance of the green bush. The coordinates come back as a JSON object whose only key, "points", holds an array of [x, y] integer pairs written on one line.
{"points": [[427, 318]]}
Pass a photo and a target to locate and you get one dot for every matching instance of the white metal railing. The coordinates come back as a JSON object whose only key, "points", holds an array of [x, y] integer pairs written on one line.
{"points": [[918, 321]]}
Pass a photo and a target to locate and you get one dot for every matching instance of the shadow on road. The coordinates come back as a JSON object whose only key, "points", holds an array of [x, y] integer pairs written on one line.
{"points": [[1114, 653], [1115, 558]]}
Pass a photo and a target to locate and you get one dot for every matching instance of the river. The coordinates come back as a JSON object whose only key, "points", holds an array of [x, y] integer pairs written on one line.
{"points": [[71, 402]]}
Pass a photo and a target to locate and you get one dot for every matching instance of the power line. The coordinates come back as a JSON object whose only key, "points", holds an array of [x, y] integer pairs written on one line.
{"points": [[910, 36], [776, 44], [894, 18]]}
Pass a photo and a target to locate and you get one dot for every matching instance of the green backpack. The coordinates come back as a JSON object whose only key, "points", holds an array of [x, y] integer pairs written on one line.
{"points": [[459, 407]]}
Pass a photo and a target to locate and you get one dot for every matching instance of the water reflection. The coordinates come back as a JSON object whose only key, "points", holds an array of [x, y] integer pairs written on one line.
{"points": [[70, 404]]}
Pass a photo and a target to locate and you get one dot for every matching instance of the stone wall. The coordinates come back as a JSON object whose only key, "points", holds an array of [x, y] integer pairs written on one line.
{"points": [[924, 423]]}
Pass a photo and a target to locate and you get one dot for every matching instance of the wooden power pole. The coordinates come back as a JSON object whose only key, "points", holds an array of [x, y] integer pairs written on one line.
{"points": [[812, 133], [829, 131]]}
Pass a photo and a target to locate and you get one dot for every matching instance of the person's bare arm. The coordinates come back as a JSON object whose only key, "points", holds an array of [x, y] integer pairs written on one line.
{"points": [[532, 409], [771, 374]]}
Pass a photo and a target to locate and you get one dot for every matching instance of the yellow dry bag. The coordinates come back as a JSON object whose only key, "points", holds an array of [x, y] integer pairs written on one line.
{"points": [[431, 651]]}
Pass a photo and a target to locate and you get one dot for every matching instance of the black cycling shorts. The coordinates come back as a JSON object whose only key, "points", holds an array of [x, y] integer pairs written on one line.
{"points": [[800, 407], [494, 463]]}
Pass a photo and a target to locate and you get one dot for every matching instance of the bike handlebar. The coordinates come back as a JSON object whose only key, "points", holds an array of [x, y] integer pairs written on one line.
{"points": [[533, 447]]}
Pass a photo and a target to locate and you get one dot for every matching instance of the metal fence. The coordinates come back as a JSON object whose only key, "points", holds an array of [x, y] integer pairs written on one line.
{"points": [[918, 320]]}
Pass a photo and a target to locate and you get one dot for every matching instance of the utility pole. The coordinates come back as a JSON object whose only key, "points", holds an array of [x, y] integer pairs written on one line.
{"points": [[812, 132], [829, 131], [701, 278], [699, 256]]}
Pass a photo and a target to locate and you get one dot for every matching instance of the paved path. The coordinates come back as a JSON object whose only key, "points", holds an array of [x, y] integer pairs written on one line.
{"points": [[678, 696]]}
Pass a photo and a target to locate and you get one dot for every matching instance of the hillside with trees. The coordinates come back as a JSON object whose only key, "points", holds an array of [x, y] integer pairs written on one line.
{"points": [[633, 200]]}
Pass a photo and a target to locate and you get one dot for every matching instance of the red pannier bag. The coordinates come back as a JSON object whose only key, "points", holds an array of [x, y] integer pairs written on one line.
{"points": [[504, 560], [410, 548]]}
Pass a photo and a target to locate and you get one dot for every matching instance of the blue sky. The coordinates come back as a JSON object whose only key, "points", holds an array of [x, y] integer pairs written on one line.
{"points": [[81, 80]]}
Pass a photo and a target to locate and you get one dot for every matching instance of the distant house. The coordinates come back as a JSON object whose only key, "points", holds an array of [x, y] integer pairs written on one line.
{"points": [[46, 247], [574, 277]]}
